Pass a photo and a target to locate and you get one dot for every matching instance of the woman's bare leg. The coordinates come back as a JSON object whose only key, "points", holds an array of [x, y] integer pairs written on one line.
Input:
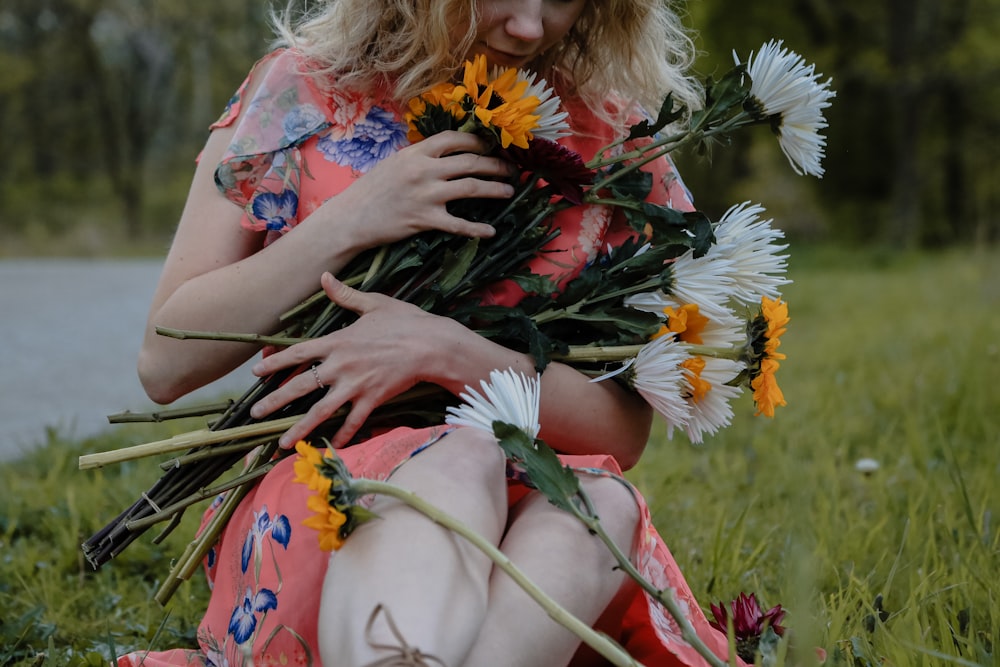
{"points": [[568, 563], [432, 582]]}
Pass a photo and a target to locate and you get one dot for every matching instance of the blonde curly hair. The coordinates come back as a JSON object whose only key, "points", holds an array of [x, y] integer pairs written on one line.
{"points": [[635, 51]]}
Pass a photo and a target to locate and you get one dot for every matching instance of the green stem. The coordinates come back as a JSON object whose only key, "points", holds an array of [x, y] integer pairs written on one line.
{"points": [[169, 511], [664, 597], [664, 146], [198, 548], [260, 339], [164, 415], [716, 352], [584, 353], [597, 641]]}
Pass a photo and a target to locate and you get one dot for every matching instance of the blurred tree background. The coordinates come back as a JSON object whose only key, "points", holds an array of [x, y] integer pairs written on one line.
{"points": [[91, 91]]}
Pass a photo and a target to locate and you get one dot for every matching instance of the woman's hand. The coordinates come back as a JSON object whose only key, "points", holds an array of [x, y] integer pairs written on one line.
{"points": [[386, 351], [406, 193]]}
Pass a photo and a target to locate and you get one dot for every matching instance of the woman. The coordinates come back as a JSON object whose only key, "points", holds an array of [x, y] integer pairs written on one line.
{"points": [[313, 150]]}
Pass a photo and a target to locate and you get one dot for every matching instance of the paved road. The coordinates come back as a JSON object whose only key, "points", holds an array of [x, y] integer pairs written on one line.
{"points": [[69, 335]]}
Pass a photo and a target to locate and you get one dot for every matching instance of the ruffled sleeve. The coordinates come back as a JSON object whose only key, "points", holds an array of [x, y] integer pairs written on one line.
{"points": [[262, 168]]}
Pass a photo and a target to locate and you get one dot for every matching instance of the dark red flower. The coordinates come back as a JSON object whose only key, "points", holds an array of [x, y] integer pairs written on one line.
{"points": [[749, 622], [560, 166]]}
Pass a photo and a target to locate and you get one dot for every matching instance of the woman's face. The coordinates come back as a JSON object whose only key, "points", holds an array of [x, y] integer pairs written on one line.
{"points": [[512, 33]]}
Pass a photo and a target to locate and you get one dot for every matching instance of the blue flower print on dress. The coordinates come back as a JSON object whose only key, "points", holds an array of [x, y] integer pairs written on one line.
{"points": [[302, 121], [277, 210], [244, 619], [372, 139], [280, 531]]}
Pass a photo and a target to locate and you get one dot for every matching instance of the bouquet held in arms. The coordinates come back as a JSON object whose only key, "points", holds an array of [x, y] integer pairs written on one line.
{"points": [[687, 312]]}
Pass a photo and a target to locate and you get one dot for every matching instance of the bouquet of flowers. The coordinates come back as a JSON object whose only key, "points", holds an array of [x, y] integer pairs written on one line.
{"points": [[688, 311]]}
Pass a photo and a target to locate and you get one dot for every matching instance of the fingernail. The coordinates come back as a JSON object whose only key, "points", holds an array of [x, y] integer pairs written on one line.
{"points": [[258, 369]]}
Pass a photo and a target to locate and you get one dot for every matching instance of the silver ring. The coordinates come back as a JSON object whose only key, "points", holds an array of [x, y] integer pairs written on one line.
{"points": [[319, 383]]}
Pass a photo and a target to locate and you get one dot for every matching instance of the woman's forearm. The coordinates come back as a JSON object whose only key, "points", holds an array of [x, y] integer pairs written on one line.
{"points": [[217, 278], [577, 416]]}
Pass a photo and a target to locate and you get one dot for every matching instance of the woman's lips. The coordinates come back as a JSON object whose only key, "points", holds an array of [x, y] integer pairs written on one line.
{"points": [[504, 59]]}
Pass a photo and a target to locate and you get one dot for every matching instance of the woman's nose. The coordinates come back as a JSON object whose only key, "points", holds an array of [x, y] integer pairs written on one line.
{"points": [[525, 20]]}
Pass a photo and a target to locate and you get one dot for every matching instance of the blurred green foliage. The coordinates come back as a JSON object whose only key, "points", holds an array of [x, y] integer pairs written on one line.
{"points": [[104, 105]]}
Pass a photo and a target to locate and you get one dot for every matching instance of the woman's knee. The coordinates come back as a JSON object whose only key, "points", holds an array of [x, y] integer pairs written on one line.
{"points": [[472, 453], [615, 503], [466, 464]]}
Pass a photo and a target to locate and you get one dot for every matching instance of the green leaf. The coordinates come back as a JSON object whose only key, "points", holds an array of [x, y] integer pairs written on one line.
{"points": [[540, 346], [635, 321], [701, 227], [691, 229], [768, 646], [456, 264], [667, 115], [726, 94], [585, 284], [540, 464], [635, 185], [533, 283]]}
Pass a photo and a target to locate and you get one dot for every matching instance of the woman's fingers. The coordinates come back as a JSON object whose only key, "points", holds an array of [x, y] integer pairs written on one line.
{"points": [[358, 409], [317, 414], [356, 301], [408, 192]]}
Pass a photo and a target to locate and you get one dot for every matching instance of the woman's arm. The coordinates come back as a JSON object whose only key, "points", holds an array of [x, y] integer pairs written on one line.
{"points": [[217, 276], [394, 346]]}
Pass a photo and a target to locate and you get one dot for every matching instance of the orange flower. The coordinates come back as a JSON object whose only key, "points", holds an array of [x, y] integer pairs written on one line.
{"points": [[699, 387], [686, 322], [766, 392], [769, 326], [307, 468], [328, 521], [776, 315]]}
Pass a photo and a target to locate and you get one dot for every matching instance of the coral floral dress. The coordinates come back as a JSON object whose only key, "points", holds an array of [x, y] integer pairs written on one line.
{"points": [[295, 146]]}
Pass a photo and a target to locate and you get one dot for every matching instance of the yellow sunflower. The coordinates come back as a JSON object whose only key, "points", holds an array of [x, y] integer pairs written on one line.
{"points": [[441, 96], [506, 105], [502, 103]]}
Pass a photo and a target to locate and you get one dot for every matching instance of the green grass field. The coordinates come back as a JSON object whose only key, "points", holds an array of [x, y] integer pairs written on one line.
{"points": [[890, 358]]}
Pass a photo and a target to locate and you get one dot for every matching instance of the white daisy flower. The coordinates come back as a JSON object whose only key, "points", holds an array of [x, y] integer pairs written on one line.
{"points": [[725, 331], [748, 243], [706, 281], [508, 397], [659, 378], [801, 142], [713, 410], [657, 375], [783, 85]]}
